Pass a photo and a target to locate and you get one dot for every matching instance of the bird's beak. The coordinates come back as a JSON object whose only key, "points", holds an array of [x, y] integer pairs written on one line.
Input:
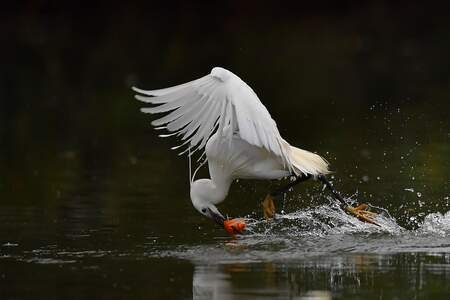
{"points": [[217, 217]]}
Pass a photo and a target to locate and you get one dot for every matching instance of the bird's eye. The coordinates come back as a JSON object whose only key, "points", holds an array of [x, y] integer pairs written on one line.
{"points": [[204, 210]]}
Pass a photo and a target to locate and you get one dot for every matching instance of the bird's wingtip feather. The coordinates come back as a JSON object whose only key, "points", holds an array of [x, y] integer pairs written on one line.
{"points": [[138, 90], [146, 110], [141, 91]]}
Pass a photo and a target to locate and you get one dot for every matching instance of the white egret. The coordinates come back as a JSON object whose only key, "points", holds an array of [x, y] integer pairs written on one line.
{"points": [[221, 115]]}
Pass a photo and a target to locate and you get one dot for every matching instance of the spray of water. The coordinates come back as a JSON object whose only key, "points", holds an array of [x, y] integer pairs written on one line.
{"points": [[319, 231]]}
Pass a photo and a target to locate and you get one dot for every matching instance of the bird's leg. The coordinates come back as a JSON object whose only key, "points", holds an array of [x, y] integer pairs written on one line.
{"points": [[360, 211], [268, 204]]}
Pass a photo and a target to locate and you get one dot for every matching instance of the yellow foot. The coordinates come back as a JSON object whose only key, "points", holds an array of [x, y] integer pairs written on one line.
{"points": [[268, 207], [362, 213]]}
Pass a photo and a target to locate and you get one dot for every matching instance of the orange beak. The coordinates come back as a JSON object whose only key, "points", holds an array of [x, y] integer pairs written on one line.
{"points": [[234, 226]]}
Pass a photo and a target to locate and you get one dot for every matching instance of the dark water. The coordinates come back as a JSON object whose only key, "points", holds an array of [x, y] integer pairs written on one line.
{"points": [[94, 205]]}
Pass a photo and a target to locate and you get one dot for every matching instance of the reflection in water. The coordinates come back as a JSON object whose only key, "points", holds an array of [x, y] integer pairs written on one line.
{"points": [[223, 282], [342, 276], [210, 282]]}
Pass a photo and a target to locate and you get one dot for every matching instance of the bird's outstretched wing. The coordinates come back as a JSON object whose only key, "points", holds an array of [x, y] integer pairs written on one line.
{"points": [[195, 110]]}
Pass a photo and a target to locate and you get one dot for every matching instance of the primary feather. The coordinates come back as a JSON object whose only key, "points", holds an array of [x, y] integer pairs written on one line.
{"points": [[218, 100]]}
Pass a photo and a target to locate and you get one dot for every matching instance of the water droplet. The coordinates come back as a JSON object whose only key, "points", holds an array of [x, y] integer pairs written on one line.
{"points": [[419, 194]]}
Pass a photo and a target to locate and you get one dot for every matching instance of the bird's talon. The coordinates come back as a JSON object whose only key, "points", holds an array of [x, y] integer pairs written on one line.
{"points": [[361, 207], [268, 207], [362, 213]]}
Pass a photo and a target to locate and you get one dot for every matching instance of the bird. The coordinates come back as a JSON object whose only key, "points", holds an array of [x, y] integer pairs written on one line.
{"points": [[223, 118]]}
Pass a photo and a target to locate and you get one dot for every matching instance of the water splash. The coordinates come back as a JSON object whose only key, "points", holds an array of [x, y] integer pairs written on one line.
{"points": [[436, 223], [320, 221], [320, 231]]}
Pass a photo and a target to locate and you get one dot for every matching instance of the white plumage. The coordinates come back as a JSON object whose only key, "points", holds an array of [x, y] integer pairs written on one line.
{"points": [[220, 114]]}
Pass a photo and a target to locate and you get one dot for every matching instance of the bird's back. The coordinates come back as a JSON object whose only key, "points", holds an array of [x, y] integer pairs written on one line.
{"points": [[236, 158]]}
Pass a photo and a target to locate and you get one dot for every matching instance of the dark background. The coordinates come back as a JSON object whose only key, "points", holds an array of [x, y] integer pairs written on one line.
{"points": [[366, 85], [333, 75]]}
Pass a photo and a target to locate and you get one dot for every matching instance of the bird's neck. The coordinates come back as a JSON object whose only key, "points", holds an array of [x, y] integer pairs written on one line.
{"points": [[218, 189], [214, 189]]}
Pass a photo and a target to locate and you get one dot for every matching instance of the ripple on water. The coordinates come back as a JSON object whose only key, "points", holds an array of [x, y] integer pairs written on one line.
{"points": [[323, 231], [320, 231]]}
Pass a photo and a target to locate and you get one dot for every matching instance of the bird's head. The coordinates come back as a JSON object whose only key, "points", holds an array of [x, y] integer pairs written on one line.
{"points": [[203, 198]]}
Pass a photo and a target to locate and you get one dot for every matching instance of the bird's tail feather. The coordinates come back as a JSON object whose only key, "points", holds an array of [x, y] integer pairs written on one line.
{"points": [[305, 162]]}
